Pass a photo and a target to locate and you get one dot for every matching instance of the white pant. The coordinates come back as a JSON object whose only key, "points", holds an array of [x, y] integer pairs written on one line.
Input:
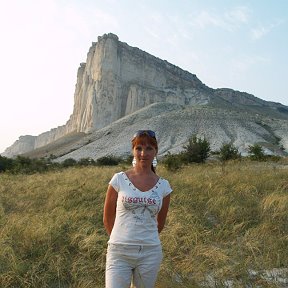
{"points": [[132, 262]]}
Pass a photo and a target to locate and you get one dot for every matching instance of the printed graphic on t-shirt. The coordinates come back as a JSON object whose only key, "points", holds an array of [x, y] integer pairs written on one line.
{"points": [[140, 205]]}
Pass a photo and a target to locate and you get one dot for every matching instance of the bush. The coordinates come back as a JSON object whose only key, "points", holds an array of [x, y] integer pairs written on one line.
{"points": [[5, 163], [69, 162], [109, 160], [229, 152], [197, 150], [25, 165], [256, 152], [86, 162], [172, 162]]}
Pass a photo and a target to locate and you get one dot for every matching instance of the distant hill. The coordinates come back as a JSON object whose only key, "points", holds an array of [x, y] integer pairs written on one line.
{"points": [[121, 89]]}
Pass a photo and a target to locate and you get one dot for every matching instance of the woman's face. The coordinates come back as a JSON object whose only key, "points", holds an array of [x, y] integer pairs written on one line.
{"points": [[144, 153]]}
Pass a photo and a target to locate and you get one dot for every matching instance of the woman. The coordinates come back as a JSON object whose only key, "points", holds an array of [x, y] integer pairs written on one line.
{"points": [[135, 211]]}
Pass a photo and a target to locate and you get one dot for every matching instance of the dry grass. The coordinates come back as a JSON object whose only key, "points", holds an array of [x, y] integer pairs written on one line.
{"points": [[223, 223]]}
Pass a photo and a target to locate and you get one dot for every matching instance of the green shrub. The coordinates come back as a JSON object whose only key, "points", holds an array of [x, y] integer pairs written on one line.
{"points": [[86, 162], [109, 160], [69, 162], [228, 152], [197, 150], [25, 165], [172, 162], [256, 152], [5, 163]]}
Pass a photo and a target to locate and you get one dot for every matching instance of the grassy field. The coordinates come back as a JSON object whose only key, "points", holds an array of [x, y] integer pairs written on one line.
{"points": [[227, 227]]}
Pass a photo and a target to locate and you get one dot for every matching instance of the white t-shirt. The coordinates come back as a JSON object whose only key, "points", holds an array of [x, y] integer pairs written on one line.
{"points": [[136, 211]]}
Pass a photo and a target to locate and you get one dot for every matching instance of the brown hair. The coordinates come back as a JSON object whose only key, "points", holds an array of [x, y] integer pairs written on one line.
{"points": [[145, 138]]}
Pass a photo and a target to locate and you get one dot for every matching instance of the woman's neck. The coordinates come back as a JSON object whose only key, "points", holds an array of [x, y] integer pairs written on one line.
{"points": [[142, 171]]}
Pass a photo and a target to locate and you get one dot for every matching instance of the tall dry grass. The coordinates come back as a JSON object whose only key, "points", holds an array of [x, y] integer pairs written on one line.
{"points": [[225, 225]]}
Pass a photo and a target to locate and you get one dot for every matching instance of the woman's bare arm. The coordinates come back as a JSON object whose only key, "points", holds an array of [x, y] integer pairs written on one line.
{"points": [[163, 213], [110, 209]]}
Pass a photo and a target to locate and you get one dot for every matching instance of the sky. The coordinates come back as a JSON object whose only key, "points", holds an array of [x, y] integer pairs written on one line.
{"points": [[235, 44]]}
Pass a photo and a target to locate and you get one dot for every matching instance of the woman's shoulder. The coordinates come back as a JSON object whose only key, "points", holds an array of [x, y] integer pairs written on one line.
{"points": [[127, 172], [117, 175], [165, 183], [163, 180]]}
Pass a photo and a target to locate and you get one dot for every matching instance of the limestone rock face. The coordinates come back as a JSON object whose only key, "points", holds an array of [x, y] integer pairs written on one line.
{"points": [[22, 145], [118, 80]]}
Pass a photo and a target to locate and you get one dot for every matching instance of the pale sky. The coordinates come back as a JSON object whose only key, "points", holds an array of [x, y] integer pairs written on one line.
{"points": [[235, 44]]}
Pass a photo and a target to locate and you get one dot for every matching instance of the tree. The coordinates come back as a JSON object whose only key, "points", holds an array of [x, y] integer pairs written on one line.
{"points": [[256, 152], [228, 152], [5, 163], [197, 150]]}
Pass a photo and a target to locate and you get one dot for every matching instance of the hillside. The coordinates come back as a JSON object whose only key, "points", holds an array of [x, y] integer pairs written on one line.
{"points": [[173, 125]]}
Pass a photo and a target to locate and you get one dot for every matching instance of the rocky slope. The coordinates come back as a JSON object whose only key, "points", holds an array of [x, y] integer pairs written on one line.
{"points": [[173, 125], [121, 89]]}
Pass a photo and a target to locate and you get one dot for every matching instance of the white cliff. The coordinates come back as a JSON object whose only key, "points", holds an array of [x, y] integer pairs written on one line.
{"points": [[118, 80]]}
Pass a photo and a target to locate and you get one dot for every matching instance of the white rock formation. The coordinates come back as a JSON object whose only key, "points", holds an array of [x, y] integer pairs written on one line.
{"points": [[22, 145], [174, 124], [118, 80]]}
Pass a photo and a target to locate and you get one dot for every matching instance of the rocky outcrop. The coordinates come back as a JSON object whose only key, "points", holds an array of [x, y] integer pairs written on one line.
{"points": [[22, 145], [118, 80]]}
